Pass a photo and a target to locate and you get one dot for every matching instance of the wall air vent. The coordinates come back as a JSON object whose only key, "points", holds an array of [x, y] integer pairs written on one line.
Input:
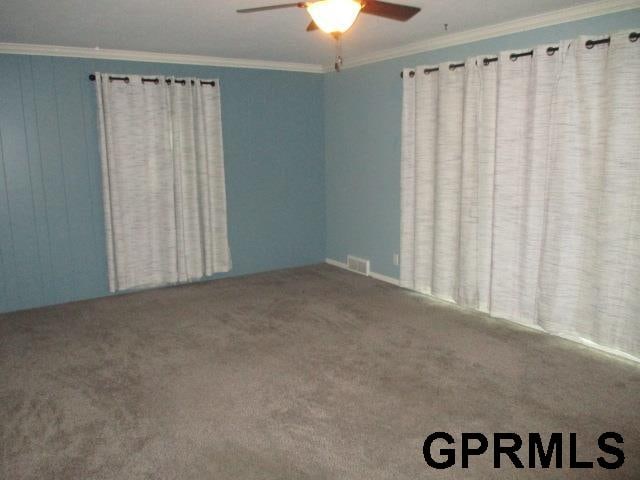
{"points": [[359, 265]]}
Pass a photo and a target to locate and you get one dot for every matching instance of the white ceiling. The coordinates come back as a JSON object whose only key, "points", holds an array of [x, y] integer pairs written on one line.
{"points": [[213, 28]]}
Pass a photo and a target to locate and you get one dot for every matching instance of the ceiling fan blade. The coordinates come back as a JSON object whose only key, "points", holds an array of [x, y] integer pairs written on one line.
{"points": [[393, 11], [271, 7], [312, 26]]}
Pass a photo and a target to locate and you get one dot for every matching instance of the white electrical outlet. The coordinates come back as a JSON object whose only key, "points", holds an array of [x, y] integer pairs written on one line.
{"points": [[396, 259]]}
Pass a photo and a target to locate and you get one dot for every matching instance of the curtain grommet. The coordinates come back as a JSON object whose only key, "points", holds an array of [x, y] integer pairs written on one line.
{"points": [[589, 44], [633, 36], [412, 74], [513, 57], [551, 51]]}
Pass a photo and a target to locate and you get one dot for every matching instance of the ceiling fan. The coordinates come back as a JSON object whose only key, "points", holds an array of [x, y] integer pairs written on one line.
{"points": [[336, 16]]}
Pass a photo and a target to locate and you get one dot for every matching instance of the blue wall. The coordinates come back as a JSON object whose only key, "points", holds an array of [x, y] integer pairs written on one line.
{"points": [[51, 219], [363, 109], [312, 164]]}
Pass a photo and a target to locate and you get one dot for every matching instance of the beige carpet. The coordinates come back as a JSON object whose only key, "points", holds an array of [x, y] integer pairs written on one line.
{"points": [[310, 373]]}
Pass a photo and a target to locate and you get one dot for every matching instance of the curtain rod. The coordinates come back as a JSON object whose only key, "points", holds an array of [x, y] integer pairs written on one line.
{"points": [[92, 77], [633, 37]]}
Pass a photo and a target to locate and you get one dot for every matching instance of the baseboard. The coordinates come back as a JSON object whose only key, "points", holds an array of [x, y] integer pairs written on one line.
{"points": [[528, 326], [384, 278], [336, 263], [377, 276]]}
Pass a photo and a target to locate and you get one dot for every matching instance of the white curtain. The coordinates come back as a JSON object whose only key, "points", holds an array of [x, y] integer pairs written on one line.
{"points": [[163, 180], [521, 187]]}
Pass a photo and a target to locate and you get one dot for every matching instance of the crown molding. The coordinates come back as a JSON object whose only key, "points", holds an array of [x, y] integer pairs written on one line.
{"points": [[556, 17], [137, 56]]}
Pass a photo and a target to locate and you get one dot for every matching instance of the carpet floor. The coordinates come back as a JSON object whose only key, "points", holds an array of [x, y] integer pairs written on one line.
{"points": [[308, 373]]}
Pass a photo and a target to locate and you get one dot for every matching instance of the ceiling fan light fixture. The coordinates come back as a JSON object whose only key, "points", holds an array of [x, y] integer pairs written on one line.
{"points": [[334, 16]]}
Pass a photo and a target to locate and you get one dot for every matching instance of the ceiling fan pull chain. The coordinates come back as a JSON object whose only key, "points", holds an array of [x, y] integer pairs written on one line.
{"points": [[338, 63]]}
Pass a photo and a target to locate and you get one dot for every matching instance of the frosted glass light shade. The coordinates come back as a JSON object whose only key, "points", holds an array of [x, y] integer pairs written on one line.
{"points": [[334, 16]]}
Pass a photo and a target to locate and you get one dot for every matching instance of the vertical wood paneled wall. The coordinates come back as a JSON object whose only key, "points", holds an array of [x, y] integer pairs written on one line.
{"points": [[51, 235]]}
